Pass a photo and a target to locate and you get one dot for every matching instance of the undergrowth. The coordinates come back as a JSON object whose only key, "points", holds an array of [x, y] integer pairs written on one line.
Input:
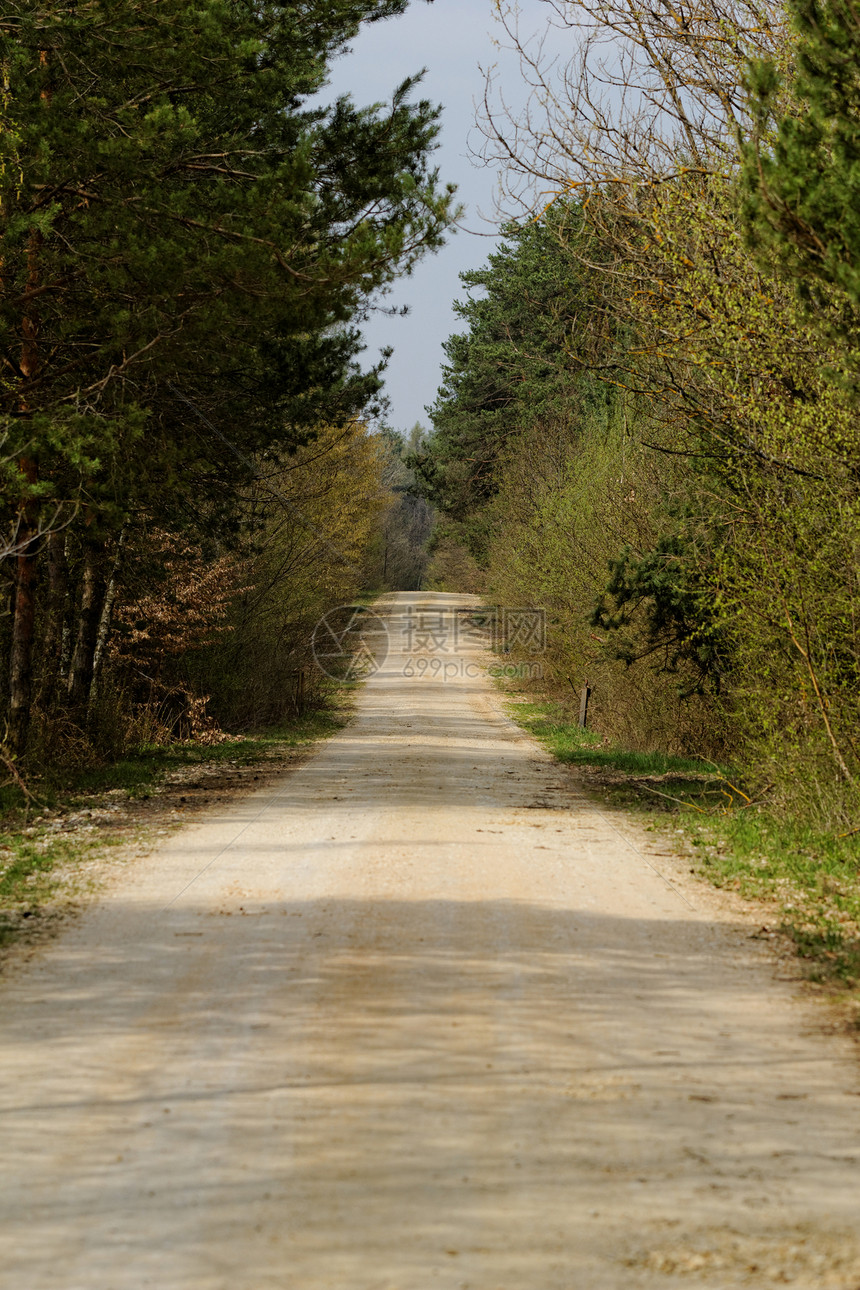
{"points": [[141, 768]]}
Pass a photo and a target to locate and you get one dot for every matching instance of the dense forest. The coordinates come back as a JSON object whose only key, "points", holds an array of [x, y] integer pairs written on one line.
{"points": [[191, 238], [648, 422]]}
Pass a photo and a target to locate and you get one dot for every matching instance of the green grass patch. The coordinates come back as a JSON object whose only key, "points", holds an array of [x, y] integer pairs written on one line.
{"points": [[569, 742], [28, 875], [145, 767], [810, 876]]}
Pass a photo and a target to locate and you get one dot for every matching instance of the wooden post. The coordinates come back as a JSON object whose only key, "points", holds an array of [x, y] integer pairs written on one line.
{"points": [[583, 705]]}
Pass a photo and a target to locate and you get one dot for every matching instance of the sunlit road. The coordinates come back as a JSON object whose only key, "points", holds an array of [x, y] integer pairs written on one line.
{"points": [[419, 1015]]}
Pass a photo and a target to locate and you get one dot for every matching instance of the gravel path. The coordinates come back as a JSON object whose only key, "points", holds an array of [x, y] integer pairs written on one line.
{"points": [[420, 1015]]}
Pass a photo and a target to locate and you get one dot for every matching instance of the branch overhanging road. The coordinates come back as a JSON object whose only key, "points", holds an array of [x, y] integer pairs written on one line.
{"points": [[420, 1015]]}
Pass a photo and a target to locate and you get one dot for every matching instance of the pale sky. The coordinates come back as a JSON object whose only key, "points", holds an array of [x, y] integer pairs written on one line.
{"points": [[453, 39]]}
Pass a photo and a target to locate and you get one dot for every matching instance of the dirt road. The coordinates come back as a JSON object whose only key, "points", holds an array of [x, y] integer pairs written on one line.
{"points": [[419, 1015]]}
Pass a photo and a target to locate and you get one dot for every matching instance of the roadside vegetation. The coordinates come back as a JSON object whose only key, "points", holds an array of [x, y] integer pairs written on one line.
{"points": [[191, 467], [648, 428], [648, 423]]}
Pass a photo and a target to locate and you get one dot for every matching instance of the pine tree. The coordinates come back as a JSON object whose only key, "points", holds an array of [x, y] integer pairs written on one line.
{"points": [[516, 362], [189, 238], [801, 177]]}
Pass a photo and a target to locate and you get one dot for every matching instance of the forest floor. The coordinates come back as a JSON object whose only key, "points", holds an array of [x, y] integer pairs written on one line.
{"points": [[423, 1011]]}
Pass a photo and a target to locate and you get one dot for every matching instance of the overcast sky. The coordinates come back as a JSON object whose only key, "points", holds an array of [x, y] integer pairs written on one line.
{"points": [[453, 39]]}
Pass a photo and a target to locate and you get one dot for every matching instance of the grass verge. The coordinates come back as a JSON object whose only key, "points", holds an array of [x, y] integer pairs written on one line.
{"points": [[810, 878]]}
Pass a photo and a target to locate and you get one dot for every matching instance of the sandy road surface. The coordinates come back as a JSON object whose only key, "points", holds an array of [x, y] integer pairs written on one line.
{"points": [[419, 1016]]}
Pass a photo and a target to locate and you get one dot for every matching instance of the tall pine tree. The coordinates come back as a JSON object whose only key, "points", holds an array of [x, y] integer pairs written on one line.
{"points": [[189, 238], [801, 177]]}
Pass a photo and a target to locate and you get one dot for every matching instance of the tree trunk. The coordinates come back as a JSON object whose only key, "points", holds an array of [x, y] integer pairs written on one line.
{"points": [[24, 619], [27, 533], [52, 645], [105, 619], [92, 600]]}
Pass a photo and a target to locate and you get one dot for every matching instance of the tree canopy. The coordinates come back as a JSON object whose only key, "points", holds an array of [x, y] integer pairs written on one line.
{"points": [[525, 317], [802, 161], [650, 427], [191, 235]]}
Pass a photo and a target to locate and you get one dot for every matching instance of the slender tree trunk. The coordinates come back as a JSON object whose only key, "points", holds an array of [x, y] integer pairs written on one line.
{"points": [[105, 620], [27, 538], [24, 617], [92, 601], [23, 621], [66, 639], [52, 644]]}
